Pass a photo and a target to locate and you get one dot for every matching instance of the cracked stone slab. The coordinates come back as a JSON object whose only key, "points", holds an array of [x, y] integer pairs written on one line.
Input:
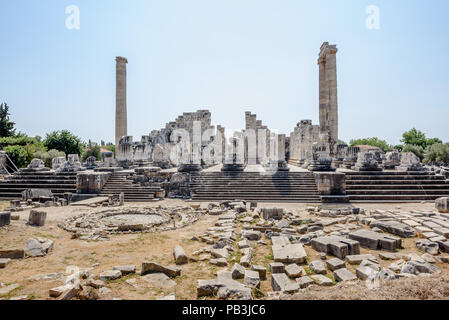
{"points": [[290, 253]]}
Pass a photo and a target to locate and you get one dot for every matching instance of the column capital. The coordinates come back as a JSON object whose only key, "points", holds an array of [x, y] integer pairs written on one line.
{"points": [[325, 50], [121, 60]]}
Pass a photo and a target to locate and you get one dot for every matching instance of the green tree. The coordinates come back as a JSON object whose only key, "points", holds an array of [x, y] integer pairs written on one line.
{"points": [[375, 142], [18, 155], [6, 126], [432, 141], [418, 138], [417, 150], [64, 141]]}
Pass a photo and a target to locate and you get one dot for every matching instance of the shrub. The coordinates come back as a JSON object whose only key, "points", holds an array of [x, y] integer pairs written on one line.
{"points": [[417, 150], [18, 155], [438, 153], [47, 156], [93, 150], [375, 142]]}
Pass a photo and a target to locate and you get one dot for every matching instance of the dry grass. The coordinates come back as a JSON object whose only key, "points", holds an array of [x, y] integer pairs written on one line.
{"points": [[421, 288]]}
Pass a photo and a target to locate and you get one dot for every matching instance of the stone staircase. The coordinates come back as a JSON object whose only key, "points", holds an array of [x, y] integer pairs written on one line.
{"points": [[11, 188], [394, 186], [253, 186], [119, 182]]}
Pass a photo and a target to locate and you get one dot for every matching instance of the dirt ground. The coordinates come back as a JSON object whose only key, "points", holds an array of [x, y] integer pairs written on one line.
{"points": [[133, 249]]}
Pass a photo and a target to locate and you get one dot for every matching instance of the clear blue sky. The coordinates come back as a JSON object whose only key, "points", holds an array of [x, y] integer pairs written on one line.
{"points": [[229, 56]]}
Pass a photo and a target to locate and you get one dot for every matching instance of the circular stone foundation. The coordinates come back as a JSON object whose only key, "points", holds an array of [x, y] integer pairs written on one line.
{"points": [[97, 224]]}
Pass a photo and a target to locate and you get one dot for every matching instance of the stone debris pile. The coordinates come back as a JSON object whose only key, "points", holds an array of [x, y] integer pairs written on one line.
{"points": [[338, 236]]}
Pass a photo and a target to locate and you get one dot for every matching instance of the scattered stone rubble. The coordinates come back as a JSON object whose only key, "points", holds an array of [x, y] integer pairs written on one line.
{"points": [[338, 235]]}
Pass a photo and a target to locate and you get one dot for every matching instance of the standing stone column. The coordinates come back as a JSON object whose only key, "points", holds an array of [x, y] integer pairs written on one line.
{"points": [[121, 127], [328, 98]]}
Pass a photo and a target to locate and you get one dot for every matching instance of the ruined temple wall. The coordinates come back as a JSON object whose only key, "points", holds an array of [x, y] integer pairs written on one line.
{"points": [[158, 146], [254, 152], [302, 139]]}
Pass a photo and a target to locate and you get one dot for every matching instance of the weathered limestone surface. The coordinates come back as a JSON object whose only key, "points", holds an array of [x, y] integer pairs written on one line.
{"points": [[127, 269], [110, 275], [376, 241], [261, 270], [322, 280], [318, 266], [394, 227], [12, 253], [277, 267], [37, 218], [91, 182], [357, 259], [224, 289], [304, 282], [251, 279], [237, 271], [280, 282], [410, 162], [344, 274], [37, 247], [290, 253], [153, 267], [442, 204], [247, 257], [331, 183], [335, 245], [5, 218], [335, 264], [294, 271], [428, 246], [4, 262], [180, 255]]}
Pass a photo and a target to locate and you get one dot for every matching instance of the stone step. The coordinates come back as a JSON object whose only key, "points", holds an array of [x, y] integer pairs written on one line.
{"points": [[269, 200], [396, 178], [395, 182], [388, 173], [393, 198], [397, 186], [398, 192]]}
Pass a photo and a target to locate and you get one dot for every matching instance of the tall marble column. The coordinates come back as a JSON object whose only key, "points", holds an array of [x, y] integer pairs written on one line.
{"points": [[328, 97], [121, 129]]}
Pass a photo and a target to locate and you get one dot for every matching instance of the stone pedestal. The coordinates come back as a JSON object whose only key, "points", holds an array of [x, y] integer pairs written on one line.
{"points": [[5, 218], [331, 186], [392, 160], [410, 162], [189, 168], [366, 161], [321, 164], [233, 167], [37, 218], [279, 165], [90, 182]]}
